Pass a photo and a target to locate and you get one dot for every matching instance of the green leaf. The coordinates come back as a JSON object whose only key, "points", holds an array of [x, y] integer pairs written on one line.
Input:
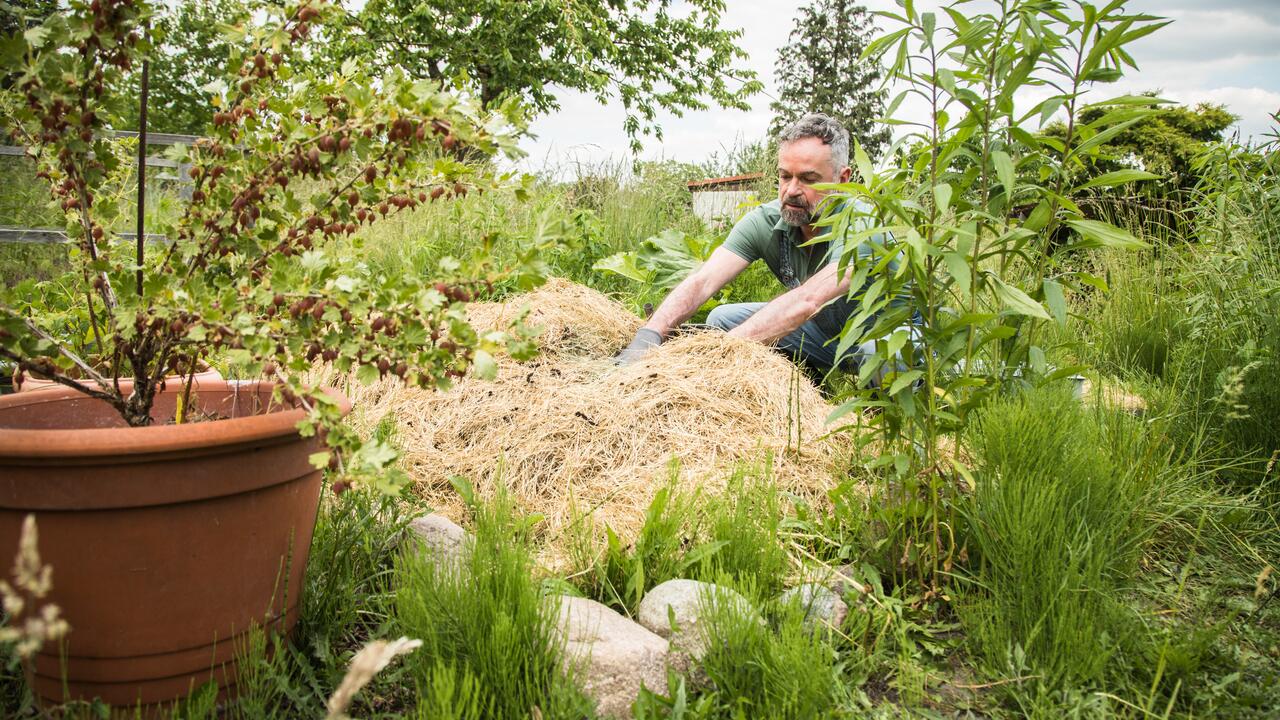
{"points": [[320, 460], [36, 36], [1093, 281], [1038, 362], [375, 455], [1118, 177], [958, 268], [367, 374], [896, 342], [863, 162], [904, 380], [1104, 136], [1050, 107], [1057, 303], [1101, 234], [485, 367], [1104, 75], [1127, 100], [942, 195], [1039, 217], [624, 264], [1004, 168], [1017, 301]]}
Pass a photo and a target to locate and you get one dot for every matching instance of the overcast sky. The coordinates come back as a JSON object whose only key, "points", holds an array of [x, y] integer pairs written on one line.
{"points": [[1223, 51]]}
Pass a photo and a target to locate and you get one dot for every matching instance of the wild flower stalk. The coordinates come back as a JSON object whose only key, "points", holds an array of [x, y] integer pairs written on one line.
{"points": [[372, 659], [33, 580]]}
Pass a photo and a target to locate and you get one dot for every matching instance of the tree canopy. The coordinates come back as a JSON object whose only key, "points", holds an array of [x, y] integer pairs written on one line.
{"points": [[191, 51], [821, 69], [1164, 142], [652, 55]]}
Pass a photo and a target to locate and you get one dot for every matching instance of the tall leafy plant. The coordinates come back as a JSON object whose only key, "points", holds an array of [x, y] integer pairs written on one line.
{"points": [[977, 214]]}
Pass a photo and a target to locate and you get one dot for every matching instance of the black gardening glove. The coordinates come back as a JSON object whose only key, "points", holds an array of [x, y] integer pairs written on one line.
{"points": [[644, 341]]}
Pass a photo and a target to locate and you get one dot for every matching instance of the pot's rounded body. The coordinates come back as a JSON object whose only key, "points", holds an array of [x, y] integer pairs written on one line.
{"points": [[168, 543]]}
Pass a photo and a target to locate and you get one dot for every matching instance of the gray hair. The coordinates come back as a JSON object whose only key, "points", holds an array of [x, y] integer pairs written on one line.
{"points": [[825, 128]]}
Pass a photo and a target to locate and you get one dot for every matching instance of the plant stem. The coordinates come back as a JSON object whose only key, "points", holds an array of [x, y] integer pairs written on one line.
{"points": [[186, 388]]}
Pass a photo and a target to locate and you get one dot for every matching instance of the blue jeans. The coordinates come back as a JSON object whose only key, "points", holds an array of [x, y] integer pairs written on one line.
{"points": [[807, 343]]}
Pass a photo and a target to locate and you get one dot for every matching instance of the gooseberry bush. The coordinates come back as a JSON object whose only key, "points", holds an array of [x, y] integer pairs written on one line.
{"points": [[248, 271]]}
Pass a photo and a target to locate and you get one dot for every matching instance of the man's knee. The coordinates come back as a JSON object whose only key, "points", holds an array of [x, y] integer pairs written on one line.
{"points": [[730, 316]]}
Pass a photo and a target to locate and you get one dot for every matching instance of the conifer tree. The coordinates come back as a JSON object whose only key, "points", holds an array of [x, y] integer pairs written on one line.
{"points": [[820, 70]]}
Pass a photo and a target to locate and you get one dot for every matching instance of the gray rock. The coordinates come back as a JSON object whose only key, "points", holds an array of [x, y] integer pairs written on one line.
{"points": [[611, 656], [823, 608], [684, 602], [439, 537]]}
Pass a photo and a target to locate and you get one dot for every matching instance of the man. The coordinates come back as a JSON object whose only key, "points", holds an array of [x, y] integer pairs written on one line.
{"points": [[814, 309]]}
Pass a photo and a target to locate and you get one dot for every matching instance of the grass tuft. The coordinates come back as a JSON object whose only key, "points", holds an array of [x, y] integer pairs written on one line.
{"points": [[485, 625]]}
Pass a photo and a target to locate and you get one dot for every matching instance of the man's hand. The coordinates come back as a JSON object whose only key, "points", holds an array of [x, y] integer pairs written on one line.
{"points": [[644, 341]]}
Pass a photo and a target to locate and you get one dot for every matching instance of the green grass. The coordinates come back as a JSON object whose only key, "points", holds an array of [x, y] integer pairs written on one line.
{"points": [[1134, 327], [692, 534], [1053, 522], [486, 625], [774, 668]]}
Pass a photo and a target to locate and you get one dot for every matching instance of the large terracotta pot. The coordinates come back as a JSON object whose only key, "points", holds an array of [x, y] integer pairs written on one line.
{"points": [[168, 543]]}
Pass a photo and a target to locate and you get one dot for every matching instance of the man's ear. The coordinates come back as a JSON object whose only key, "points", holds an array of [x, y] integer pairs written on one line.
{"points": [[845, 174]]}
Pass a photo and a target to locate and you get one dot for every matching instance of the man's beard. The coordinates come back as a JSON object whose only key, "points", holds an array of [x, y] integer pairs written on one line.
{"points": [[797, 216]]}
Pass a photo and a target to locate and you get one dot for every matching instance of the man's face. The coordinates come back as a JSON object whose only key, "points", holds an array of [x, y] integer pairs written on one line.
{"points": [[802, 164]]}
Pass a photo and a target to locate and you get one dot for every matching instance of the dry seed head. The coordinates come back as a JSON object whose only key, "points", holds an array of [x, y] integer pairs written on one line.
{"points": [[34, 580], [371, 660]]}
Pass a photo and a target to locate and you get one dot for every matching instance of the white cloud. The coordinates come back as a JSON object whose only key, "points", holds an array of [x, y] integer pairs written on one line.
{"points": [[1223, 52]]}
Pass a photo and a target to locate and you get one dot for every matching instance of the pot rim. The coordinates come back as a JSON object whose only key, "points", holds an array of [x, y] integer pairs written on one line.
{"points": [[117, 441]]}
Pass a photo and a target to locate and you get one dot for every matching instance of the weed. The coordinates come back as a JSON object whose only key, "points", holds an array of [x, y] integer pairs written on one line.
{"points": [[1053, 521], [693, 535], [760, 669]]}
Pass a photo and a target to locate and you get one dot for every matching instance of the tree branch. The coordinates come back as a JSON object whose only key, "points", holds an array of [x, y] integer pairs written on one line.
{"points": [[64, 380], [75, 359]]}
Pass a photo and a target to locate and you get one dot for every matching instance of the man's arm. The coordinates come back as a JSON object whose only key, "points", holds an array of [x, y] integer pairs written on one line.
{"points": [[791, 309], [723, 266], [685, 299]]}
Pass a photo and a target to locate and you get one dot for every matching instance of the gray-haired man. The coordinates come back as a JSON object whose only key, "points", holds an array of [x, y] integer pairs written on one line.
{"points": [[801, 321]]}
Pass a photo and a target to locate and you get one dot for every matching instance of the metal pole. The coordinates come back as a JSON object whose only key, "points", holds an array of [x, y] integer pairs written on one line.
{"points": [[142, 162]]}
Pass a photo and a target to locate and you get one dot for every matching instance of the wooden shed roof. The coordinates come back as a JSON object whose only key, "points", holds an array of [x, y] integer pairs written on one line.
{"points": [[725, 183]]}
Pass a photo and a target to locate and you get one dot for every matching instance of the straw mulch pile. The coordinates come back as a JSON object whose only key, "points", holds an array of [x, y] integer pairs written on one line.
{"points": [[568, 433], [1113, 395]]}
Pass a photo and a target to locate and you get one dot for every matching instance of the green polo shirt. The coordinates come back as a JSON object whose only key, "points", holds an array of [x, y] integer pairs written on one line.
{"points": [[762, 234]]}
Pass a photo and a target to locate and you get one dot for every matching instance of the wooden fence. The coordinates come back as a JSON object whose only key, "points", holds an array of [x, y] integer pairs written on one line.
{"points": [[45, 236]]}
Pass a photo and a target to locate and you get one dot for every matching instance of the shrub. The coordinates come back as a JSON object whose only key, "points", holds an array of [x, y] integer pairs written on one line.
{"points": [[294, 162]]}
